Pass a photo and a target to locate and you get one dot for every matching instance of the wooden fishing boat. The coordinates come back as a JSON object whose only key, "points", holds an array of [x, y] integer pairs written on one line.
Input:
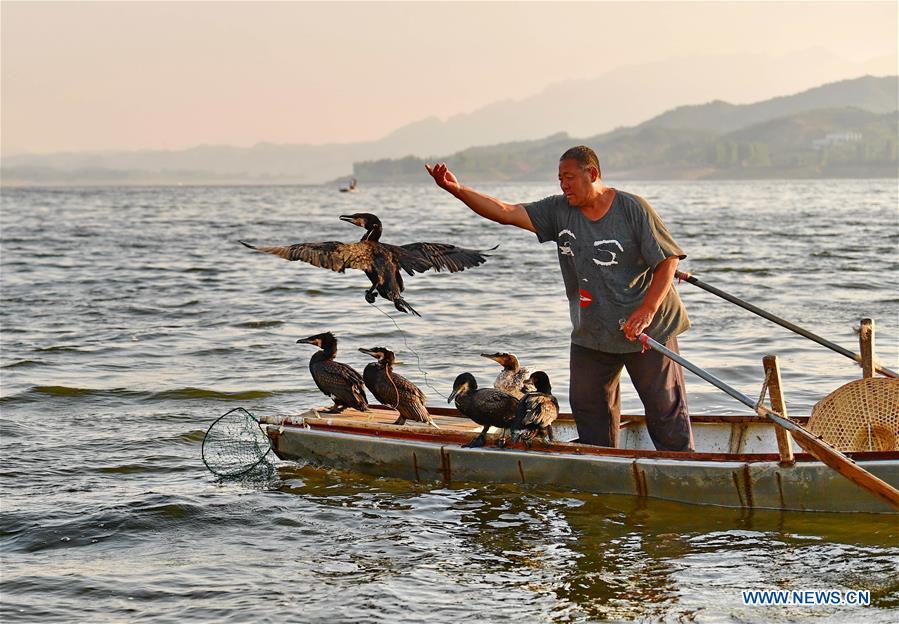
{"points": [[738, 462]]}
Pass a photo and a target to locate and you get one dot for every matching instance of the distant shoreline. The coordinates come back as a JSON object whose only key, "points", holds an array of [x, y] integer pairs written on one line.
{"points": [[630, 176]]}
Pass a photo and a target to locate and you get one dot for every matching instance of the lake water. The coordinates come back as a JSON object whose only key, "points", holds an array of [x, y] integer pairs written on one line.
{"points": [[131, 319]]}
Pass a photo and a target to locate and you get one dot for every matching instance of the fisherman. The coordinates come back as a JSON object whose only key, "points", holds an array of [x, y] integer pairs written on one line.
{"points": [[618, 261]]}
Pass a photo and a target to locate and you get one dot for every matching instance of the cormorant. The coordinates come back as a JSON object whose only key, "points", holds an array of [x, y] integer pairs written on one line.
{"points": [[512, 378], [337, 380], [394, 390], [381, 262], [488, 407], [537, 410]]}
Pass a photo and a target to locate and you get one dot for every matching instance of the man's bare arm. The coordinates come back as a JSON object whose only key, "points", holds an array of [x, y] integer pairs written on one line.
{"points": [[641, 318], [484, 205]]}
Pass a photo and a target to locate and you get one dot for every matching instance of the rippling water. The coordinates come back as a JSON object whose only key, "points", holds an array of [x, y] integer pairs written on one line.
{"points": [[131, 319]]}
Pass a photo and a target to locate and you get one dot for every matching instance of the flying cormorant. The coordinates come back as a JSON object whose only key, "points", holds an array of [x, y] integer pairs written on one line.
{"points": [[512, 379], [537, 410], [381, 262], [486, 406], [337, 380], [393, 389]]}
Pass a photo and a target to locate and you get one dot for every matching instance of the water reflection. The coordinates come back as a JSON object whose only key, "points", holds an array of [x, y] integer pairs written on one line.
{"points": [[570, 557]]}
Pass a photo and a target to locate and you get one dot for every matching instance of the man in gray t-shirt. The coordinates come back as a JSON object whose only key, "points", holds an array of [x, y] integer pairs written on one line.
{"points": [[618, 261]]}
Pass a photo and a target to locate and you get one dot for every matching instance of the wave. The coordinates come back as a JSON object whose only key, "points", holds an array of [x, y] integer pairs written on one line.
{"points": [[258, 324], [135, 520], [201, 393], [38, 393], [58, 348], [23, 364]]}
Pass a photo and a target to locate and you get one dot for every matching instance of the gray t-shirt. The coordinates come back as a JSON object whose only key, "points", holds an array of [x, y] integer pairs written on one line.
{"points": [[607, 266]]}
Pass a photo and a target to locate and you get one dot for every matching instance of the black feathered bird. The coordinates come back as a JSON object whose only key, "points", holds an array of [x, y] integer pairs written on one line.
{"points": [[393, 389], [486, 406], [382, 263], [536, 412], [337, 380]]}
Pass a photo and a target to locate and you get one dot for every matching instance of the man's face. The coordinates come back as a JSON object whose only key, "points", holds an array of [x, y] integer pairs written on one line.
{"points": [[575, 181]]}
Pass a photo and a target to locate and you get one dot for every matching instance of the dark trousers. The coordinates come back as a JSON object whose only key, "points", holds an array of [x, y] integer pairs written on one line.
{"points": [[595, 396]]}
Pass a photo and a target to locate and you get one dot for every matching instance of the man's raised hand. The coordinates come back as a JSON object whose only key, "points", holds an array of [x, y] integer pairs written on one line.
{"points": [[444, 177]]}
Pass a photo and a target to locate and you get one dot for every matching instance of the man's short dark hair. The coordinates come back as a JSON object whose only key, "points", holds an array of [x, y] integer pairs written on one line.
{"points": [[584, 156]]}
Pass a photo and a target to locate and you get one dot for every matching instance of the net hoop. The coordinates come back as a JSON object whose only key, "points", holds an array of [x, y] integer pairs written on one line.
{"points": [[235, 444]]}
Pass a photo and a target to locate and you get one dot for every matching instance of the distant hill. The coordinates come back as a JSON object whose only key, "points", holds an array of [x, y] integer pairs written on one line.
{"points": [[840, 142], [877, 95], [633, 150]]}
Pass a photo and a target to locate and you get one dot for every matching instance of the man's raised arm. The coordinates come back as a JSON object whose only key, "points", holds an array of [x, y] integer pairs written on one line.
{"points": [[484, 205]]}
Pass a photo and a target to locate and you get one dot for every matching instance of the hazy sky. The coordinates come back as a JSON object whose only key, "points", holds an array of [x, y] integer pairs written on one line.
{"points": [[126, 75]]}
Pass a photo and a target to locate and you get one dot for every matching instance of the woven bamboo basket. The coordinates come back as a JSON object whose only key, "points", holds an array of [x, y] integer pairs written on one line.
{"points": [[862, 415]]}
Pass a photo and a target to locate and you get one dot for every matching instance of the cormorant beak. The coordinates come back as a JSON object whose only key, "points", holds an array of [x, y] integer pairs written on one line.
{"points": [[453, 395], [491, 356], [349, 219], [307, 341], [368, 352]]}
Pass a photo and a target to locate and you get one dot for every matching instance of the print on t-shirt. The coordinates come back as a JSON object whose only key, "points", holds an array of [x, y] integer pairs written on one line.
{"points": [[565, 237], [608, 256]]}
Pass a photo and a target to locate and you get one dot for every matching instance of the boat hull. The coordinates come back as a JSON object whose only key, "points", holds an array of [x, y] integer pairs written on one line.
{"points": [[738, 481]]}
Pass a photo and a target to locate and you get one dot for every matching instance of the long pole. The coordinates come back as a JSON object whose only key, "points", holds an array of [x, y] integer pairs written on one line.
{"points": [[812, 444], [782, 322]]}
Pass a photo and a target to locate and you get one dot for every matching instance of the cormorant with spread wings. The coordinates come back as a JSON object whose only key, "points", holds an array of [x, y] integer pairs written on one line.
{"points": [[381, 262]]}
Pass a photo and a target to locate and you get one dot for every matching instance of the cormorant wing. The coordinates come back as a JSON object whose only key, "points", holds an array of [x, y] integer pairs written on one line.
{"points": [[406, 386], [408, 261], [332, 255], [497, 402], [335, 375], [441, 256]]}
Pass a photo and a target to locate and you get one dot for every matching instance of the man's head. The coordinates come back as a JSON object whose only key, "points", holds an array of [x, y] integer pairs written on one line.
{"points": [[578, 170]]}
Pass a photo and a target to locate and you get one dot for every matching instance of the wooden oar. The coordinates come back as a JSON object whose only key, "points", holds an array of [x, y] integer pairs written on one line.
{"points": [[783, 323], [812, 444]]}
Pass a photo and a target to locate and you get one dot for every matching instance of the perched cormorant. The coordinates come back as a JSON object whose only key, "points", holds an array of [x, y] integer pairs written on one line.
{"points": [[394, 390], [488, 407], [512, 378], [381, 262], [537, 410], [337, 380]]}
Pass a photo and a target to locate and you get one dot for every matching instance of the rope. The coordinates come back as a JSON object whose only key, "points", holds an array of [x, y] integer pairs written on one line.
{"points": [[417, 356], [761, 401], [396, 391]]}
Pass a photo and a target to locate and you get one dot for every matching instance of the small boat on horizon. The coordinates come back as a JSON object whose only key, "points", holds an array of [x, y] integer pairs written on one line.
{"points": [[351, 188]]}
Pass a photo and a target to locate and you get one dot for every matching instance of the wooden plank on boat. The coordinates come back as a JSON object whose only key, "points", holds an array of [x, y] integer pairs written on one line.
{"points": [[775, 392], [866, 347]]}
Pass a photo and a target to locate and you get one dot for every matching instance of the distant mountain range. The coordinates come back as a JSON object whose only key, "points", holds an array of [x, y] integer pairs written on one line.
{"points": [[846, 128], [824, 143]]}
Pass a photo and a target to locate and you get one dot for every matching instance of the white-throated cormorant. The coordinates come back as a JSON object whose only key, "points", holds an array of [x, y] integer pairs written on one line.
{"points": [[381, 262], [337, 380], [488, 407], [393, 389], [512, 378]]}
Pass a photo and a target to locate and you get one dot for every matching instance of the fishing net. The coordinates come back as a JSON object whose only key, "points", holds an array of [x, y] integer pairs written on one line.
{"points": [[235, 444], [862, 415]]}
